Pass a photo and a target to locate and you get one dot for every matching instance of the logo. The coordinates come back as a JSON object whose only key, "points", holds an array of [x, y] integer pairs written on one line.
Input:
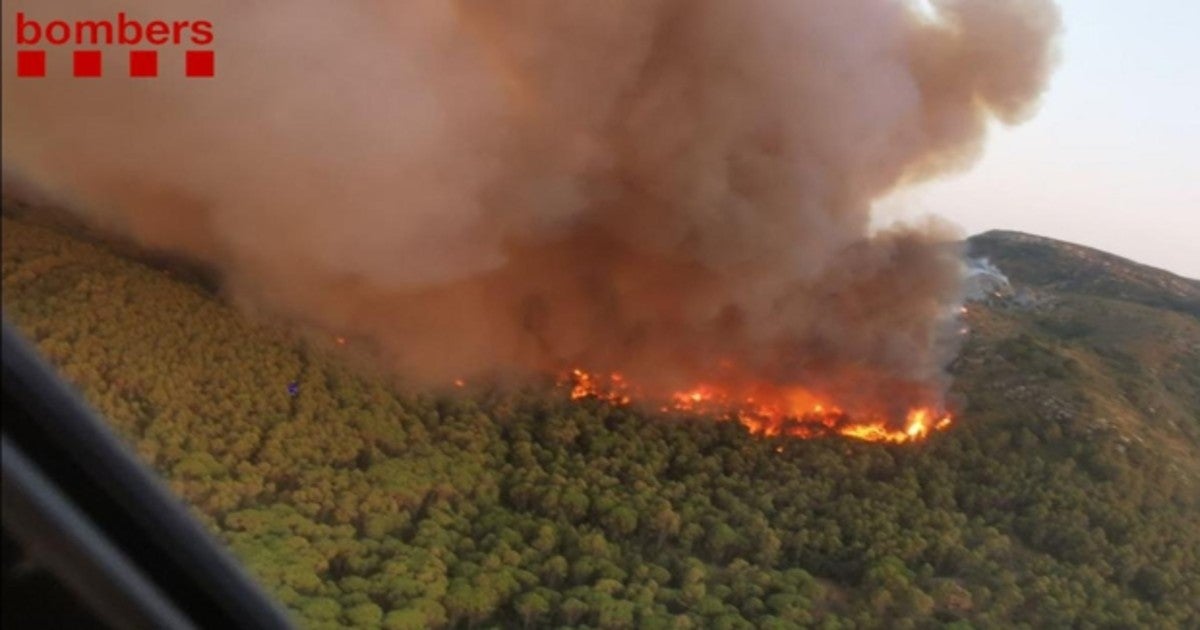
{"points": [[144, 39]]}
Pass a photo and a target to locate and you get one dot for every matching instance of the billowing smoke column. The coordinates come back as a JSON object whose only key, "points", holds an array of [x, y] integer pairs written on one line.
{"points": [[676, 189]]}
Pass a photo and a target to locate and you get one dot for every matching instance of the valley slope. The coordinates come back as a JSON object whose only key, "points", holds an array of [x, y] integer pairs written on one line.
{"points": [[1067, 494]]}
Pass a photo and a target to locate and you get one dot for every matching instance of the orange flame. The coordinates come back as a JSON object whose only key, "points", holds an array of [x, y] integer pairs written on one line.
{"points": [[612, 389], [794, 412]]}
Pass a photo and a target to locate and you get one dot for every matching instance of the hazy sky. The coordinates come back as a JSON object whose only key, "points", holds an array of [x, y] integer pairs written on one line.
{"points": [[1111, 160]]}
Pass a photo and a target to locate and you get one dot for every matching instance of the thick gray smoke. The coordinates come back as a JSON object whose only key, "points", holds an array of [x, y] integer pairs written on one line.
{"points": [[660, 187]]}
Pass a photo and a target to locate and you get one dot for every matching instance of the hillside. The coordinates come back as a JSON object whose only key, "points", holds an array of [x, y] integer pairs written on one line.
{"points": [[1067, 494], [1117, 337]]}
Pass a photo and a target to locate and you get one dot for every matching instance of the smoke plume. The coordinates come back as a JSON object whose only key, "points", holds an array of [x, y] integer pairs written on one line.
{"points": [[677, 189]]}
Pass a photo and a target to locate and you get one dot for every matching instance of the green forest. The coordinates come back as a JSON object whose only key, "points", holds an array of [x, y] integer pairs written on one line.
{"points": [[1066, 495]]}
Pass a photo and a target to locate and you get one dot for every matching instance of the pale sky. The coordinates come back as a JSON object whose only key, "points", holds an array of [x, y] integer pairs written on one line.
{"points": [[1111, 159]]}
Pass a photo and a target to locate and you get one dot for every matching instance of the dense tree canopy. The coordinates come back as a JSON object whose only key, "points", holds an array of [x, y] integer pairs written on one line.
{"points": [[359, 506]]}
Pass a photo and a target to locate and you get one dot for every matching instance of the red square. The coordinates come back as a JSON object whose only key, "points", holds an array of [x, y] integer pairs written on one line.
{"points": [[31, 63], [199, 63], [87, 63], [143, 63]]}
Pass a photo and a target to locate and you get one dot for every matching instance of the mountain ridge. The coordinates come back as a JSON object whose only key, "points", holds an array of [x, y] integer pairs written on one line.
{"points": [[1050, 263]]}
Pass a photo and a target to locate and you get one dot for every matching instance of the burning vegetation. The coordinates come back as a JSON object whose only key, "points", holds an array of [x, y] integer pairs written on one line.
{"points": [[769, 411]]}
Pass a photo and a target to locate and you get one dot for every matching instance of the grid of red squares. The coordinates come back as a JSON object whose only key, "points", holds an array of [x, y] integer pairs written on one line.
{"points": [[90, 63]]}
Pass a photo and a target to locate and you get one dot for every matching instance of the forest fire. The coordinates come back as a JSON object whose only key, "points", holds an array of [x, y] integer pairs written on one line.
{"points": [[651, 188], [769, 411]]}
